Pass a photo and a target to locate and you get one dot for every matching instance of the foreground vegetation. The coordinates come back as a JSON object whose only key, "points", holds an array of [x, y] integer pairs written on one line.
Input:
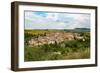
{"points": [[72, 49]]}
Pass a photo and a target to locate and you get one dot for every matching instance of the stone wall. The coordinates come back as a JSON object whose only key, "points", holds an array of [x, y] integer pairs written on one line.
{"points": [[52, 37]]}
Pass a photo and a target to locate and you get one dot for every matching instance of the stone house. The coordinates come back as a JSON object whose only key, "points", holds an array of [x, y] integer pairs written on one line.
{"points": [[52, 37]]}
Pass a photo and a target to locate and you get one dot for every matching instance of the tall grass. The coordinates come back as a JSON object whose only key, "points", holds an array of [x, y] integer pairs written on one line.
{"points": [[74, 49]]}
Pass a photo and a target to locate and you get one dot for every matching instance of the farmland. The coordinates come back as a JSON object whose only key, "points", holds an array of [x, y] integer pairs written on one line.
{"points": [[43, 45]]}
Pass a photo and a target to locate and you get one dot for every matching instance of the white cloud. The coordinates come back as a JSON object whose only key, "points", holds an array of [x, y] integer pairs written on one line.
{"points": [[56, 21]]}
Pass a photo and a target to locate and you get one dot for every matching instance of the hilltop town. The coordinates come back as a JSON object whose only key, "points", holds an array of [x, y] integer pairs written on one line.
{"points": [[54, 37]]}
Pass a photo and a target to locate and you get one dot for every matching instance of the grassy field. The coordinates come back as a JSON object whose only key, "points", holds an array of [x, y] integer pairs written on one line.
{"points": [[36, 32], [72, 49]]}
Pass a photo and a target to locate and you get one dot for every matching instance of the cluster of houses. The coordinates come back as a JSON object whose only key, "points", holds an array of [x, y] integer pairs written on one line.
{"points": [[52, 37]]}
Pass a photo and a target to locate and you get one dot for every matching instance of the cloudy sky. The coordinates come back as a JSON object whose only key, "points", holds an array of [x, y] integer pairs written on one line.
{"points": [[56, 20]]}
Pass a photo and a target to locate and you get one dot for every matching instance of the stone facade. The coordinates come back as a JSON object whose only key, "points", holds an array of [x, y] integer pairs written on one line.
{"points": [[52, 37]]}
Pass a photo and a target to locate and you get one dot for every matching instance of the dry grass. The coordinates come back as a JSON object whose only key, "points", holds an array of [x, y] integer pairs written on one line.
{"points": [[78, 55]]}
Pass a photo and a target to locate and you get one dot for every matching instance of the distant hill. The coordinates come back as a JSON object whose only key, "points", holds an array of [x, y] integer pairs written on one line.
{"points": [[82, 29], [78, 30]]}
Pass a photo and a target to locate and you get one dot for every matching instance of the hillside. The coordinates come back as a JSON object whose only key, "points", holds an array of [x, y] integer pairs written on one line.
{"points": [[78, 30]]}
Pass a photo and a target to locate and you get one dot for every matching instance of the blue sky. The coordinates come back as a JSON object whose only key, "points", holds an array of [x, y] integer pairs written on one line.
{"points": [[56, 20]]}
